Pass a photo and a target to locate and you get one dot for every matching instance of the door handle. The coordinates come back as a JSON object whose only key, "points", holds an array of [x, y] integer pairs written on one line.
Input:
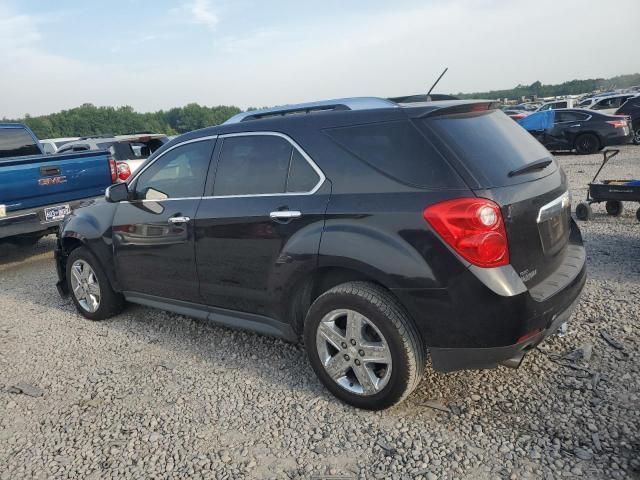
{"points": [[178, 219], [285, 214]]}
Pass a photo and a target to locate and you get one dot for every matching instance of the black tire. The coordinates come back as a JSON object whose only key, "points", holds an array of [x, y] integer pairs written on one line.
{"points": [[636, 135], [614, 208], [638, 214], [380, 308], [583, 211], [110, 302], [587, 143]]}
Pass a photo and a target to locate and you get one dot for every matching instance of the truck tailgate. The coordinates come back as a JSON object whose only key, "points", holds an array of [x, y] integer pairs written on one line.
{"points": [[33, 181]]}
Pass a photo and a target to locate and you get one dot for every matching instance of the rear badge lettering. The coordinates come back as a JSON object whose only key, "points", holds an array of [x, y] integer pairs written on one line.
{"points": [[527, 275], [43, 182]]}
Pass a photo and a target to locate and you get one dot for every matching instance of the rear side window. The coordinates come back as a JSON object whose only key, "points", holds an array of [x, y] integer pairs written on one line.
{"points": [[262, 164], [399, 151], [490, 145], [16, 142]]}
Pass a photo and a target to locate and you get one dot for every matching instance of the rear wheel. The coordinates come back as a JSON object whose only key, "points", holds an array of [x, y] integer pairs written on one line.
{"points": [[636, 135], [363, 346], [614, 208], [90, 289], [638, 214], [587, 143], [583, 211]]}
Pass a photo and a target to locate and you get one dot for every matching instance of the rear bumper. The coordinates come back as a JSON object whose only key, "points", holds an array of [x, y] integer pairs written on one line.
{"points": [[452, 359], [32, 220]]}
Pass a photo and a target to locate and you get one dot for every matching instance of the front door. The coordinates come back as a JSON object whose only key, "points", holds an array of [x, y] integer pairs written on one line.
{"points": [[153, 233], [262, 224]]}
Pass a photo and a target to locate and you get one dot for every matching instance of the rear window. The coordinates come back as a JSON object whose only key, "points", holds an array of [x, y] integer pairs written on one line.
{"points": [[120, 151], [16, 142], [490, 145], [398, 150]]}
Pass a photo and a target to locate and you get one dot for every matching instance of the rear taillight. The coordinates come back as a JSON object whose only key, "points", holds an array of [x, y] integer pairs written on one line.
{"points": [[124, 171], [114, 169], [473, 227], [518, 116], [618, 123]]}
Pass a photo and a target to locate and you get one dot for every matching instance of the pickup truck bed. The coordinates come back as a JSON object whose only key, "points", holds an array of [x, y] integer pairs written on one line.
{"points": [[36, 191]]}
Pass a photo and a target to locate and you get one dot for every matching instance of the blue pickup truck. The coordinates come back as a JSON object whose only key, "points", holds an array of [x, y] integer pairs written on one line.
{"points": [[37, 190]]}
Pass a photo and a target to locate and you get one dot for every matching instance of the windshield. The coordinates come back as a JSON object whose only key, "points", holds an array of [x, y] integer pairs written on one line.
{"points": [[490, 145]]}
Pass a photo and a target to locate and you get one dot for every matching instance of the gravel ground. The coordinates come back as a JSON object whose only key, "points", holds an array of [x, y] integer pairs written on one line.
{"points": [[155, 395]]}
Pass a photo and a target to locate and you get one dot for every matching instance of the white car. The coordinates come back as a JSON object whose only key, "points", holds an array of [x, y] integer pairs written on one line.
{"points": [[130, 149], [610, 103], [51, 145], [556, 104]]}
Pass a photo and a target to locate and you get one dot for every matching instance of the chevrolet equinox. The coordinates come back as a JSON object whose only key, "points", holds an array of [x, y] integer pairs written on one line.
{"points": [[373, 231]]}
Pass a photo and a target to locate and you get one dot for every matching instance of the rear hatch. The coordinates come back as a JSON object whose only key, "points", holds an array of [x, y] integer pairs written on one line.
{"points": [[502, 162], [38, 180]]}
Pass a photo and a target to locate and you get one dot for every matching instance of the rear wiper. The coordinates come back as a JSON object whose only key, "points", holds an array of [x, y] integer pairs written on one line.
{"points": [[530, 167]]}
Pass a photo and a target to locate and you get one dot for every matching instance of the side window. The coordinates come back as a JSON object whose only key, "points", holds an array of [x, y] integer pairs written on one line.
{"points": [[261, 164], [179, 173], [302, 177]]}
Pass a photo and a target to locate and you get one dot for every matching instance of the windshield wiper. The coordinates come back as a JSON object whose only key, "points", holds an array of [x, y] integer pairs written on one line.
{"points": [[530, 167]]}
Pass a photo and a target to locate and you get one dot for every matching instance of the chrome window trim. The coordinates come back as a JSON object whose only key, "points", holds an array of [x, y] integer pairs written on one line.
{"points": [[239, 134]]}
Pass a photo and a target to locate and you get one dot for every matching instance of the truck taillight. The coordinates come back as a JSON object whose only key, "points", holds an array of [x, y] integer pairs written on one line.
{"points": [[114, 169], [473, 227], [124, 171]]}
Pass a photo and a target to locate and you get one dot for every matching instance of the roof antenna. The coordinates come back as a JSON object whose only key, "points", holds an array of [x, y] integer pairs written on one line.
{"points": [[435, 83]]}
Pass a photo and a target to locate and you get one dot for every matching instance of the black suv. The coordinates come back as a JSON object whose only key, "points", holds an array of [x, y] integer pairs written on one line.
{"points": [[374, 231]]}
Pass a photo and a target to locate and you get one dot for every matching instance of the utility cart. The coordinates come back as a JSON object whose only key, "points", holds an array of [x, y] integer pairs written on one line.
{"points": [[613, 192]]}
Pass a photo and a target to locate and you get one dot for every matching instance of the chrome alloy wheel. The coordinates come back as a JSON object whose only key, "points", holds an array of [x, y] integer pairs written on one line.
{"points": [[353, 352], [85, 286]]}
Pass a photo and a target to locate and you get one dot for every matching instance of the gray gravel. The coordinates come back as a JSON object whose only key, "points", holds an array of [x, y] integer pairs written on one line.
{"points": [[155, 395]]}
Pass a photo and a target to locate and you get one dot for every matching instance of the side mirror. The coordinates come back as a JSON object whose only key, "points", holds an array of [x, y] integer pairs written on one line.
{"points": [[117, 192]]}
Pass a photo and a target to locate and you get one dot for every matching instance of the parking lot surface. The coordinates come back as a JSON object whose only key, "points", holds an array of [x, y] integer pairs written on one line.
{"points": [[150, 394]]}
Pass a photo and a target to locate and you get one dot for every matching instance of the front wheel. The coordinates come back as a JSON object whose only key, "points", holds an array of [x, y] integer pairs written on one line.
{"points": [[587, 143], [636, 136], [363, 346], [90, 288]]}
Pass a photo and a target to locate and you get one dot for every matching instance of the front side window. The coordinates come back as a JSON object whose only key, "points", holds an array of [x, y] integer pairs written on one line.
{"points": [[262, 164], [179, 173]]}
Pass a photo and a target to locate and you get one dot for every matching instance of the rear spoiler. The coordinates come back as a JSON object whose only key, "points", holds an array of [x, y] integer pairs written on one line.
{"points": [[463, 107]]}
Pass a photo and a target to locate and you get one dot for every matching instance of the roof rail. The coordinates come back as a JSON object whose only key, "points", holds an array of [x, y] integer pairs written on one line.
{"points": [[355, 103]]}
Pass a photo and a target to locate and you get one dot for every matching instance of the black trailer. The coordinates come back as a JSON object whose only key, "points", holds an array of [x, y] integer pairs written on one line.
{"points": [[613, 192]]}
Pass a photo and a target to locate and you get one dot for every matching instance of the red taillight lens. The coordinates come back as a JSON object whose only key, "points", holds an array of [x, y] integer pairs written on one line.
{"points": [[518, 116], [617, 123], [473, 227], [124, 171], [114, 169]]}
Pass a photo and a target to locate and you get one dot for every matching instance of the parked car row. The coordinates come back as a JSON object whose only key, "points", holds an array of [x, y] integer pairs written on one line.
{"points": [[582, 130]]}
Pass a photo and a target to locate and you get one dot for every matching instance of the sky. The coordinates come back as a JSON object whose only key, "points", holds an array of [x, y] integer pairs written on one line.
{"points": [[157, 54]]}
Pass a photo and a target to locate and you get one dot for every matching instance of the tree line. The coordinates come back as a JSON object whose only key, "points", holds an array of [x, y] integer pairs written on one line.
{"points": [[572, 87], [89, 120]]}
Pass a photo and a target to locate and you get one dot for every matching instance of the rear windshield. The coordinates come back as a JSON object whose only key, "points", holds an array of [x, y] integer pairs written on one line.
{"points": [[490, 145], [398, 150], [16, 142], [120, 151]]}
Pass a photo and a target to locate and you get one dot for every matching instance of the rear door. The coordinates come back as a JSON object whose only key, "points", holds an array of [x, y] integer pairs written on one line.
{"points": [[153, 233], [261, 224]]}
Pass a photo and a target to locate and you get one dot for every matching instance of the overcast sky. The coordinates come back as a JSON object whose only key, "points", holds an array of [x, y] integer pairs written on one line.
{"points": [[154, 54]]}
